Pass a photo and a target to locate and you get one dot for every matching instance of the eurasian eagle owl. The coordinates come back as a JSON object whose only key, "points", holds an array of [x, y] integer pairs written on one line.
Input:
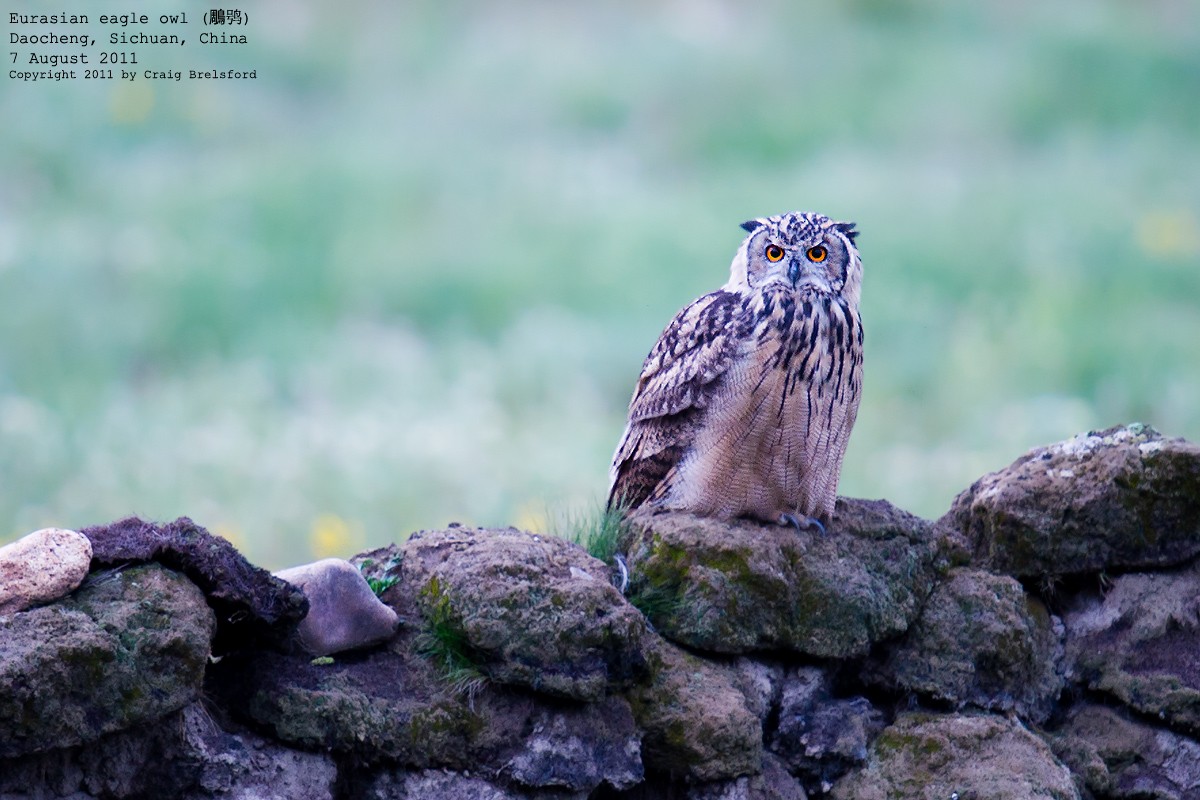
{"points": [[745, 404]]}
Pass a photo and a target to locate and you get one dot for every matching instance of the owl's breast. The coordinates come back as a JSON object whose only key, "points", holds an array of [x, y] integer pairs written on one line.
{"points": [[778, 421]]}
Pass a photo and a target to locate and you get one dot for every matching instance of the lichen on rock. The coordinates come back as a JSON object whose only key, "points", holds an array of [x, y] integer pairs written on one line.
{"points": [[980, 640], [535, 611], [935, 756], [697, 723], [736, 587], [1118, 499], [750, 662], [126, 649]]}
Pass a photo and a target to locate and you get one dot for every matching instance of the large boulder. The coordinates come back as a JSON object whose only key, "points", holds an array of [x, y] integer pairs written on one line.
{"points": [[1116, 756], [1139, 642], [253, 607], [697, 724], [126, 649], [982, 641], [1122, 498], [532, 611], [739, 586], [938, 756]]}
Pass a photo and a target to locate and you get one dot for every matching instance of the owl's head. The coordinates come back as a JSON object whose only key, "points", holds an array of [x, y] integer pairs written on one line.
{"points": [[799, 250]]}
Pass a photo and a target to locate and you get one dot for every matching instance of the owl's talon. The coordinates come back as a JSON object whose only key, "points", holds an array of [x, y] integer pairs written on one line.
{"points": [[802, 523]]}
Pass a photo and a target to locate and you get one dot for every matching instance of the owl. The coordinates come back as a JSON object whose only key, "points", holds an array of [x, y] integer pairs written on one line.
{"points": [[745, 404]]}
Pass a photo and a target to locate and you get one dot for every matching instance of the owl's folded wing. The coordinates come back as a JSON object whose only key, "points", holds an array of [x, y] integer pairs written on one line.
{"points": [[694, 350]]}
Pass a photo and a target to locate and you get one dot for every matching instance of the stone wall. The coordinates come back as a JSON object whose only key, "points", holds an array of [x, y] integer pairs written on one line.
{"points": [[1042, 639]]}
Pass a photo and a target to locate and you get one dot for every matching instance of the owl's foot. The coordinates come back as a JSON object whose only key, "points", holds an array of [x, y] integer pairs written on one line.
{"points": [[802, 523]]}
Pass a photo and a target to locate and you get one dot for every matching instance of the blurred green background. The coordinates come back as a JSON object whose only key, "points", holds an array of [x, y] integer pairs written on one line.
{"points": [[408, 275]]}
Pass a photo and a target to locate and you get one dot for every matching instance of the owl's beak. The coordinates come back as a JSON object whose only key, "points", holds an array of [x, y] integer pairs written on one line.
{"points": [[794, 272]]}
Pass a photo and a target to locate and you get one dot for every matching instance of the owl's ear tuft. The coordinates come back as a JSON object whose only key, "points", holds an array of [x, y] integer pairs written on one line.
{"points": [[847, 229], [751, 225]]}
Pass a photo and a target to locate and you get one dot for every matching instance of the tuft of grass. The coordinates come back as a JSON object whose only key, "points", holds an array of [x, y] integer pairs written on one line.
{"points": [[597, 530], [444, 642]]}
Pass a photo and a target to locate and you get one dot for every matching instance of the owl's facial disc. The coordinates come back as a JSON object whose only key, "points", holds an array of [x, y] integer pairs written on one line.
{"points": [[799, 251], [809, 268]]}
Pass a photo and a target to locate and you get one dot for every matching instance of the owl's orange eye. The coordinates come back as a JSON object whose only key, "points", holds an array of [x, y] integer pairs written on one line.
{"points": [[817, 253], [774, 252]]}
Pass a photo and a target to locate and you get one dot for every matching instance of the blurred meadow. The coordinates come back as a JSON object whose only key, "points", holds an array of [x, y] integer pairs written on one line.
{"points": [[409, 274]]}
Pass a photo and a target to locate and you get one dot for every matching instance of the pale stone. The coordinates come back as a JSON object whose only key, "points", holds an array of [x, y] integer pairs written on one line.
{"points": [[42, 566], [343, 612]]}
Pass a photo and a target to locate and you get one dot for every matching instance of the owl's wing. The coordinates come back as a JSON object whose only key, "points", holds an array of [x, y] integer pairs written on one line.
{"points": [[694, 350]]}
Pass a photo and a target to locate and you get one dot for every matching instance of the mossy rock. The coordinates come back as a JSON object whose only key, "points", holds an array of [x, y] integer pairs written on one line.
{"points": [[1118, 499], [126, 649], [525, 610], [925, 756], [740, 586], [698, 725], [980, 640]]}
